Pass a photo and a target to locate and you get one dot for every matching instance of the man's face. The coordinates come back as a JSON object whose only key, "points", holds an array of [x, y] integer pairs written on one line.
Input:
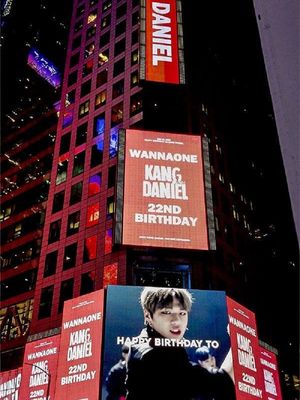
{"points": [[170, 321]]}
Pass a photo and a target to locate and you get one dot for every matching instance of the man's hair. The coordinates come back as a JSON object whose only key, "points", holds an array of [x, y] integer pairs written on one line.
{"points": [[153, 298]]}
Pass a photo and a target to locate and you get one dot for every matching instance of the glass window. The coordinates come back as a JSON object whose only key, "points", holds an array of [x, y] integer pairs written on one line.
{"points": [[74, 59], [66, 293], [99, 125], [84, 109], [70, 256], [117, 114], [78, 26], [91, 32], [134, 79], [62, 169], [119, 47], [134, 37], [97, 153], [103, 57], [80, 10], [106, 5], [76, 42], [100, 99], [93, 214], [85, 88], [89, 50], [118, 89], [121, 10], [105, 21], [110, 207], [76, 193], [135, 18], [58, 201], [136, 104], [94, 184], [65, 143], [108, 241], [46, 302], [119, 67], [50, 264], [78, 166], [73, 223], [67, 118], [121, 27], [72, 78], [90, 248], [104, 39], [87, 68], [111, 176], [134, 57], [101, 78], [70, 98], [92, 17], [87, 284], [81, 134], [54, 232], [110, 274], [113, 142]]}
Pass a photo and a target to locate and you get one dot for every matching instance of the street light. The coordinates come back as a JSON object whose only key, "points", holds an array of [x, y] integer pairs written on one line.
{"points": [[46, 372]]}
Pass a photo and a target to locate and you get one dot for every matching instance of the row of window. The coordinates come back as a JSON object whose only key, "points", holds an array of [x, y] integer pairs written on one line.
{"points": [[87, 284]]}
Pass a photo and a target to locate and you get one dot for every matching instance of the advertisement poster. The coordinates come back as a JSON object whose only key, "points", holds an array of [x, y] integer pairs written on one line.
{"points": [[245, 352], [164, 196], [10, 382], [162, 41], [39, 369], [78, 373], [164, 342], [268, 361]]}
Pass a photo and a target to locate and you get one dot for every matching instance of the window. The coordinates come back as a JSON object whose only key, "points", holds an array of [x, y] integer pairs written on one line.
{"points": [[101, 78], [46, 302], [134, 57], [58, 201], [70, 98], [81, 134], [121, 10], [94, 184], [54, 232], [72, 78], [62, 169], [110, 274], [97, 153], [136, 104], [134, 79], [113, 142], [90, 248], [105, 21], [67, 118], [118, 89], [65, 143], [85, 88], [99, 125], [108, 241], [73, 223], [93, 214], [78, 166], [119, 47], [76, 42], [121, 28], [134, 37], [110, 207], [135, 18], [117, 114], [70, 256], [74, 59], [84, 109], [91, 32], [100, 99], [66, 293], [76, 193], [89, 50], [50, 264], [104, 39], [106, 5], [103, 57], [87, 68], [78, 26], [80, 10], [119, 67], [87, 283], [111, 176], [92, 17]]}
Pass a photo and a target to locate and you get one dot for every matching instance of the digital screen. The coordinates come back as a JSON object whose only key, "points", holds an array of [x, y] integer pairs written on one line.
{"points": [[44, 67]]}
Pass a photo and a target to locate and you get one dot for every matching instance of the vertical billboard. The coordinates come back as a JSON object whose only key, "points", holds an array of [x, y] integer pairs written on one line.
{"points": [[271, 389], [78, 374], [10, 384], [161, 334], [161, 52], [245, 352], [39, 369], [161, 192]]}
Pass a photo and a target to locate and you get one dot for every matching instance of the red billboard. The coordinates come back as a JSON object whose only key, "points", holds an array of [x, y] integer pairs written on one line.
{"points": [[245, 352], [39, 369], [10, 384], [164, 193], [268, 361], [161, 42], [78, 374]]}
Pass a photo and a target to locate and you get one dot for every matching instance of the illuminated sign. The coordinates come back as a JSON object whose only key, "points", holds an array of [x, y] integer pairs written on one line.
{"points": [[245, 352], [161, 44], [158, 357], [10, 384], [39, 369], [270, 371], [164, 194], [45, 68], [78, 373]]}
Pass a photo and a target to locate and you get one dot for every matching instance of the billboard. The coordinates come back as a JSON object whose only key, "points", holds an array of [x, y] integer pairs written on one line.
{"points": [[10, 384], [161, 53], [44, 67], [78, 371], [163, 361], [39, 369], [245, 352], [161, 201], [268, 361]]}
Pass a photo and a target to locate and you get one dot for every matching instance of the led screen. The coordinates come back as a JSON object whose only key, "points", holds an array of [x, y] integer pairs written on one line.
{"points": [[44, 67]]}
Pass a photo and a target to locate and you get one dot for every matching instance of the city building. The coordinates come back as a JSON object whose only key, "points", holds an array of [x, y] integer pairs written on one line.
{"points": [[221, 94]]}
